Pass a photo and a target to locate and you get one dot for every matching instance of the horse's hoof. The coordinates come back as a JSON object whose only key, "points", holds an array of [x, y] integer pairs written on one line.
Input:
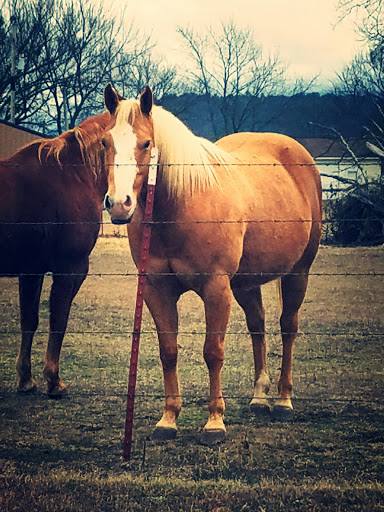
{"points": [[212, 437], [282, 413], [28, 389], [164, 434], [260, 409], [58, 392]]}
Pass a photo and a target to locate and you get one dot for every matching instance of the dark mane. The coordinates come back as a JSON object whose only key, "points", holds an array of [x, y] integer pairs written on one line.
{"points": [[88, 137]]}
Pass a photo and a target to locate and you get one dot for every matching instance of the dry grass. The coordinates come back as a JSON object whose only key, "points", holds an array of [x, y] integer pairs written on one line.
{"points": [[67, 454]]}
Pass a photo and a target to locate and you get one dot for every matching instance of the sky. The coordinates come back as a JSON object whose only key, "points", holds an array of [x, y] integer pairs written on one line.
{"points": [[305, 33]]}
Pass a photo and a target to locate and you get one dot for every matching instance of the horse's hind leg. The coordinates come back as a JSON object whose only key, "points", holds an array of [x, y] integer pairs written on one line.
{"points": [[251, 302], [293, 289], [29, 294], [64, 289]]}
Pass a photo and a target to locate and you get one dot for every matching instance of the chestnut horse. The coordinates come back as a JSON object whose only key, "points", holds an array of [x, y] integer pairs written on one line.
{"points": [[51, 196], [228, 217]]}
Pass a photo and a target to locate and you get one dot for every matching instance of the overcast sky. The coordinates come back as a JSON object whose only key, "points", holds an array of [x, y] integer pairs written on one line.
{"points": [[305, 32]]}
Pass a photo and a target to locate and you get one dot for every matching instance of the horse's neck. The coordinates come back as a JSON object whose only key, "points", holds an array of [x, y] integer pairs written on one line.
{"points": [[164, 208]]}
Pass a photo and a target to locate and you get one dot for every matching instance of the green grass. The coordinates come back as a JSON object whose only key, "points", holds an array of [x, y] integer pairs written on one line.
{"points": [[66, 455]]}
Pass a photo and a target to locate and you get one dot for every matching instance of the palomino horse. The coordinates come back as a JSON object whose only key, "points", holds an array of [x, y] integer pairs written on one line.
{"points": [[228, 217], [51, 196]]}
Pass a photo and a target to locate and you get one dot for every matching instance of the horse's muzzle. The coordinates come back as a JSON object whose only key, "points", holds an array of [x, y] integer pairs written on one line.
{"points": [[121, 213], [121, 221]]}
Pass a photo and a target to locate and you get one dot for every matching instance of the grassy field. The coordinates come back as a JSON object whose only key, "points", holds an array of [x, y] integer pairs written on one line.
{"points": [[66, 455]]}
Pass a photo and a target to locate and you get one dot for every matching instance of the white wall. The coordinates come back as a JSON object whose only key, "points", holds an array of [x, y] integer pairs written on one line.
{"points": [[333, 188]]}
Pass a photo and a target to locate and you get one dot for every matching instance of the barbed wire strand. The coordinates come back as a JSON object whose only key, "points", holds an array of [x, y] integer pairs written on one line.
{"points": [[182, 222], [189, 398], [337, 161], [274, 275], [195, 333]]}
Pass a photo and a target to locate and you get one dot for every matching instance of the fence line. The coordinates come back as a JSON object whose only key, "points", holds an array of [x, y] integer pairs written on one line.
{"points": [[177, 274], [191, 398], [179, 222], [339, 159], [201, 333], [196, 397]]}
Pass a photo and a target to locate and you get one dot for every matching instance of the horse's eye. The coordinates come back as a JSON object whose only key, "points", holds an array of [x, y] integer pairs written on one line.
{"points": [[146, 144], [103, 142]]}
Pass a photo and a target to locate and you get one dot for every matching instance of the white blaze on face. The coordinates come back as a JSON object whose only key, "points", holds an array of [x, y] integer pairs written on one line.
{"points": [[125, 168]]}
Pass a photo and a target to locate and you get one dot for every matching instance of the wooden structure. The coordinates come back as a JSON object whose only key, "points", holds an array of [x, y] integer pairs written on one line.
{"points": [[13, 137]]}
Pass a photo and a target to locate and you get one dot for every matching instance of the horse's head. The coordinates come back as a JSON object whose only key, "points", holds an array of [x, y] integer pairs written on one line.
{"points": [[128, 147]]}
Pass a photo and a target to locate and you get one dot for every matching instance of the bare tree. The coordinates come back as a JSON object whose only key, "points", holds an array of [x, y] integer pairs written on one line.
{"points": [[29, 92], [144, 70], [71, 49], [230, 65], [364, 76], [370, 13]]}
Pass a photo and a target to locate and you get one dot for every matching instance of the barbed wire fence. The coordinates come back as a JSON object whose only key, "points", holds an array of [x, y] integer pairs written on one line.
{"points": [[366, 332]]}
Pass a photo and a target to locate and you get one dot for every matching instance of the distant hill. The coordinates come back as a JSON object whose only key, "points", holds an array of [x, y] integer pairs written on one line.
{"points": [[298, 116]]}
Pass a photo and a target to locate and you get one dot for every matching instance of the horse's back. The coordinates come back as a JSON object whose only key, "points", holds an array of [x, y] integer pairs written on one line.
{"points": [[266, 156], [268, 148]]}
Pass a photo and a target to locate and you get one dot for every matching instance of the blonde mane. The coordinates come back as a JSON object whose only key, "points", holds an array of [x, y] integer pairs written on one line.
{"points": [[187, 163]]}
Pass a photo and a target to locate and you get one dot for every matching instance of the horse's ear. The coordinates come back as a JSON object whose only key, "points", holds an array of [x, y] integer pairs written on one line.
{"points": [[146, 101], [111, 99]]}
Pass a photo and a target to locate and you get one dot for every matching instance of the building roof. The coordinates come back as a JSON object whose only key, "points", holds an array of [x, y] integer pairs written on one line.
{"points": [[24, 129]]}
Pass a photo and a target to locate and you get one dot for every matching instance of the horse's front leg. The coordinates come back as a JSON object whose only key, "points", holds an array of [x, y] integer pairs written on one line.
{"points": [[217, 302], [29, 295], [161, 301]]}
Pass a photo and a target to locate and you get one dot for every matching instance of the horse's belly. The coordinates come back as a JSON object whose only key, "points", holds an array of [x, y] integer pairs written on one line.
{"points": [[31, 249], [21, 247]]}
